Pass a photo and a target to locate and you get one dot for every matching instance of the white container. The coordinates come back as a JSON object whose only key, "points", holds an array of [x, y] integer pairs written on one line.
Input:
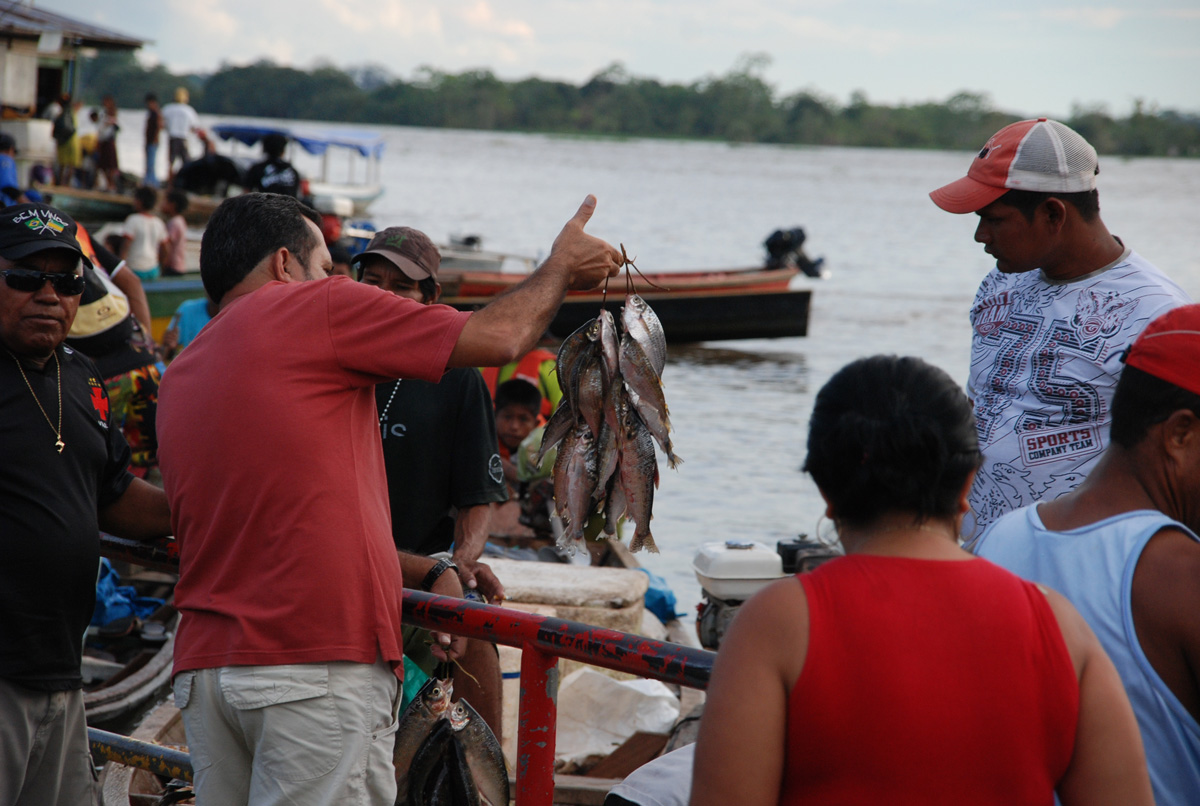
{"points": [[736, 569]]}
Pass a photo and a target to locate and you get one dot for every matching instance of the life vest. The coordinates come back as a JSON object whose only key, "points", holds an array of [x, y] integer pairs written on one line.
{"points": [[527, 368], [85, 243]]}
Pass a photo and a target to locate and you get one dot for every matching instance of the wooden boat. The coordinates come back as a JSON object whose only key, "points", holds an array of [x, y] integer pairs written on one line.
{"points": [[134, 670], [693, 306], [754, 303], [129, 786], [96, 206]]}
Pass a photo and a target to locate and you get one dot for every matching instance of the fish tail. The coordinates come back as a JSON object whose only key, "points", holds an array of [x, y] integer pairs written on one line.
{"points": [[645, 541]]}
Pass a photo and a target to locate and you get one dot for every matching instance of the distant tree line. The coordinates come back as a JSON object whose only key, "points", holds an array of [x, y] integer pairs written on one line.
{"points": [[736, 107]]}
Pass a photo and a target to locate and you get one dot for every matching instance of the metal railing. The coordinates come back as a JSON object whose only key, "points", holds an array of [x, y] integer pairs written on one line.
{"points": [[541, 639]]}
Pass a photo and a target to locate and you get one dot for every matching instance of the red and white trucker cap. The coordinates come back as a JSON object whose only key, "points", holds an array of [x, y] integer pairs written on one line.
{"points": [[1040, 155], [1169, 348]]}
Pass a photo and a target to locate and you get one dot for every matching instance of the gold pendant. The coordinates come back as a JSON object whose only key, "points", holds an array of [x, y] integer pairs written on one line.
{"points": [[60, 445]]}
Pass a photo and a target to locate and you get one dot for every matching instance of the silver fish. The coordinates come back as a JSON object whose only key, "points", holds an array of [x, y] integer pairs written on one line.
{"points": [[484, 758], [610, 345], [429, 765], [559, 424], [591, 394], [416, 724], [646, 394], [575, 472], [614, 504], [638, 470], [642, 323]]}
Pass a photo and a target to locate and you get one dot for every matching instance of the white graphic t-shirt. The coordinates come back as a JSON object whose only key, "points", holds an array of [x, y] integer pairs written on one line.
{"points": [[1045, 359]]}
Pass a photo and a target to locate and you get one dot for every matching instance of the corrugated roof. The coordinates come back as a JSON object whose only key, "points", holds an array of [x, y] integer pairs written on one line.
{"points": [[31, 22]]}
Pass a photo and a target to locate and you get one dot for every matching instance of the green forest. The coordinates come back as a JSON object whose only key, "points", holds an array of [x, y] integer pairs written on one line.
{"points": [[739, 106]]}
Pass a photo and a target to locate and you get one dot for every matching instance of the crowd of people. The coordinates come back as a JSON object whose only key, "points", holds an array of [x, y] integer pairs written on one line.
{"points": [[1013, 619]]}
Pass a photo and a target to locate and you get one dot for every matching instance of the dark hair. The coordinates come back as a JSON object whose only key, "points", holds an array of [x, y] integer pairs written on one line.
{"points": [[891, 434], [1027, 201], [151, 97], [178, 198], [245, 229], [339, 253], [519, 392], [146, 196], [274, 144], [1143, 400]]}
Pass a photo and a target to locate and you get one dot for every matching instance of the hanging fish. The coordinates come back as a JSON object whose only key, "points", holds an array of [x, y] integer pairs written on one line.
{"points": [[459, 763], [612, 413], [427, 708]]}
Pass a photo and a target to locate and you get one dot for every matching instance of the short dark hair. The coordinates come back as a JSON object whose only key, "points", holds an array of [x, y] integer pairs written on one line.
{"points": [[151, 97], [245, 229], [519, 392], [339, 253], [146, 196], [1142, 400], [178, 198], [274, 144], [891, 434], [1087, 202]]}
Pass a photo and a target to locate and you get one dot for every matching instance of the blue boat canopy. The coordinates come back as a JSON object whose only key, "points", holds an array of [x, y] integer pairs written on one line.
{"points": [[314, 142]]}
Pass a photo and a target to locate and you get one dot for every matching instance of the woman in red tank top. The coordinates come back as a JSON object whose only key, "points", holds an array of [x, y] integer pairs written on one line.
{"points": [[909, 671]]}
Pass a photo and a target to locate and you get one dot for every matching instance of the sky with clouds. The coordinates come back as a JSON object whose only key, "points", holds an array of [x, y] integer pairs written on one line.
{"points": [[1030, 57]]}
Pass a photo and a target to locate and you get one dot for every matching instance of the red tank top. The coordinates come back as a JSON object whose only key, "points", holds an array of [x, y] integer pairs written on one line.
{"points": [[928, 682]]}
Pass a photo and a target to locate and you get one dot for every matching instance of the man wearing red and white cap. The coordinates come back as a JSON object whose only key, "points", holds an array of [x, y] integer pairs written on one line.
{"points": [[1051, 320], [1123, 547]]}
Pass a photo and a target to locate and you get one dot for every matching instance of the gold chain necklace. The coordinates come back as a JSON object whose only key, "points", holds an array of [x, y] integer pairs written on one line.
{"points": [[58, 444]]}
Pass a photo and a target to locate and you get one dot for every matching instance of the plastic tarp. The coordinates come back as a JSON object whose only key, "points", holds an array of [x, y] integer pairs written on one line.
{"points": [[313, 141], [597, 714], [114, 600]]}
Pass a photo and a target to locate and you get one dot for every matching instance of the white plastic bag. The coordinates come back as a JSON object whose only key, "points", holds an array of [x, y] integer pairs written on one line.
{"points": [[597, 714]]}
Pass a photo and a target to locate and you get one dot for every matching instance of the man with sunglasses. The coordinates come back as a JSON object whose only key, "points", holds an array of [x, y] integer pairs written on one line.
{"points": [[63, 477]]}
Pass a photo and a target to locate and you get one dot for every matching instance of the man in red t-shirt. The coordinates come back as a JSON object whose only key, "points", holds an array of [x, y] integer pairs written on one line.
{"points": [[289, 648]]}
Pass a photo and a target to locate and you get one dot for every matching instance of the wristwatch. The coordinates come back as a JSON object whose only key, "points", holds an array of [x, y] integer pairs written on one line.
{"points": [[438, 569]]}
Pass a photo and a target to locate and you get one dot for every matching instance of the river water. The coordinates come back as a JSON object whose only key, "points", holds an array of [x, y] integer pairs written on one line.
{"points": [[903, 274]]}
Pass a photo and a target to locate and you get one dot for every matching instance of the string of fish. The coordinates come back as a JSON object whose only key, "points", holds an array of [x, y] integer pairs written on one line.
{"points": [[612, 412], [445, 754]]}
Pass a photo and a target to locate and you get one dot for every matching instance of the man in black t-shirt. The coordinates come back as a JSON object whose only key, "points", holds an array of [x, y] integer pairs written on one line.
{"points": [[274, 174], [64, 476], [439, 450]]}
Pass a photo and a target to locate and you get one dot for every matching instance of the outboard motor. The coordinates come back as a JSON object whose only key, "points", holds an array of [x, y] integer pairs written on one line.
{"points": [[732, 571], [785, 247]]}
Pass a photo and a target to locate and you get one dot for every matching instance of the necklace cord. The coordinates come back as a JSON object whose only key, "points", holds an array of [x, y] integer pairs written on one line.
{"points": [[59, 444]]}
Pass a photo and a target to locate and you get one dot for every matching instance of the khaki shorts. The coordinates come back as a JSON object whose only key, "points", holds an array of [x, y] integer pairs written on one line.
{"points": [[312, 734], [44, 755]]}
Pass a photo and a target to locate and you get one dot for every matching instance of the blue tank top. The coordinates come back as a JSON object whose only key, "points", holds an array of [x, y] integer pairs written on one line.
{"points": [[1093, 567]]}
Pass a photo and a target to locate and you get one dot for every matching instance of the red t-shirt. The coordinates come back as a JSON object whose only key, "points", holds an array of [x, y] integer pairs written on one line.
{"points": [[928, 682], [271, 459]]}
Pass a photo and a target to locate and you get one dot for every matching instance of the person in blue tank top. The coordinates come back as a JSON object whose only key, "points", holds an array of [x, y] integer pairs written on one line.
{"points": [[1123, 547]]}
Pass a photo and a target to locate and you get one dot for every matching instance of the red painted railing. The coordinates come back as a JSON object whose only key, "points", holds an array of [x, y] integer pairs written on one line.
{"points": [[542, 641]]}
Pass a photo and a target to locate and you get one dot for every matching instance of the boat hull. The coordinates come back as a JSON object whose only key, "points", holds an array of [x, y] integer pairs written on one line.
{"points": [[693, 316], [92, 206], [701, 306]]}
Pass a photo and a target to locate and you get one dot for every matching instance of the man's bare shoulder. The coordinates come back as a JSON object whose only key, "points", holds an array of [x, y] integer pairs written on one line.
{"points": [[1165, 580]]}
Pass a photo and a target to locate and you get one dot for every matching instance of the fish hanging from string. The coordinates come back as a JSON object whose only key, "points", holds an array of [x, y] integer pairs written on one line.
{"points": [[612, 413], [445, 753]]}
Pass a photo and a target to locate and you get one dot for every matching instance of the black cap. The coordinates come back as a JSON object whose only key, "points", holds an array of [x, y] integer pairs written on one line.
{"points": [[29, 228]]}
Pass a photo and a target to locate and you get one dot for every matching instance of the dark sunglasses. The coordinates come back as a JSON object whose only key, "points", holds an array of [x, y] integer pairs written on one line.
{"points": [[28, 280]]}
